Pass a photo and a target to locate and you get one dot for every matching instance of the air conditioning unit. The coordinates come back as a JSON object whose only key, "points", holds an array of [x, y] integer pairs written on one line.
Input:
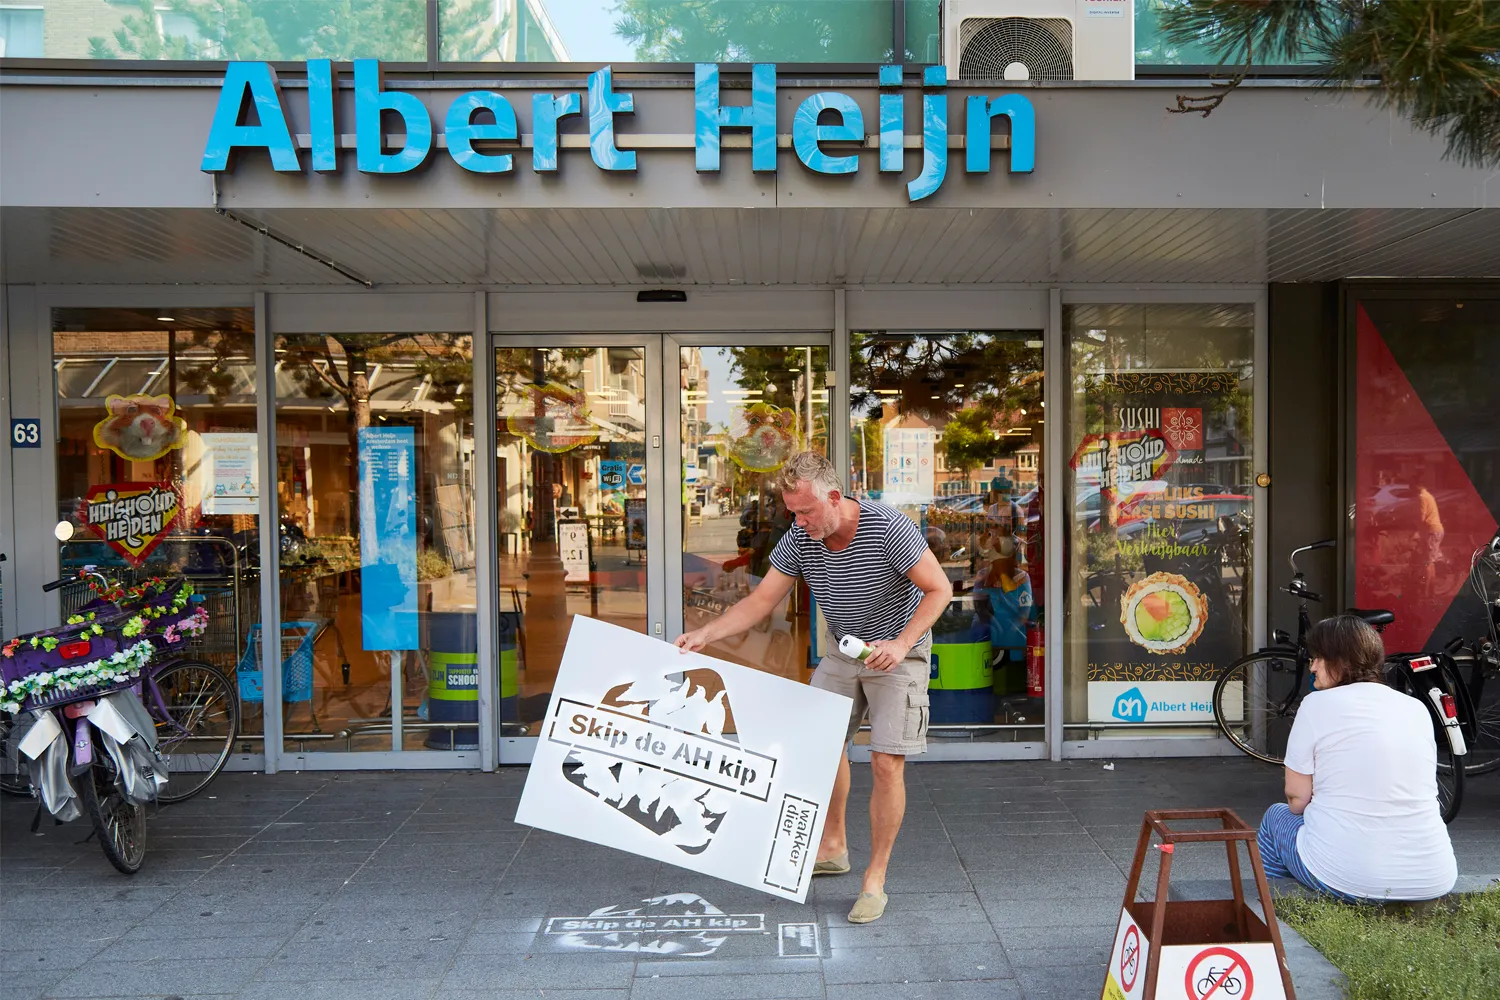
{"points": [[1039, 39]]}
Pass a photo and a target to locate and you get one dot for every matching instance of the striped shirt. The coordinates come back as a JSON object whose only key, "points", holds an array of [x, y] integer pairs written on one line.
{"points": [[863, 589]]}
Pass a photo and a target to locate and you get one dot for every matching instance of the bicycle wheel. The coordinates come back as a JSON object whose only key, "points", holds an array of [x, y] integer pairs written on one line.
{"points": [[203, 709], [15, 779], [1256, 700], [1450, 769], [1477, 685], [121, 825]]}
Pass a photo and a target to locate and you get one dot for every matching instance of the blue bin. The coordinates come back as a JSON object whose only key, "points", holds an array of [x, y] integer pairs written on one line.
{"points": [[452, 644]]}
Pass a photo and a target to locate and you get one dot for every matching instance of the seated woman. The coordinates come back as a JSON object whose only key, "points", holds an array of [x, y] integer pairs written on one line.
{"points": [[1361, 821]]}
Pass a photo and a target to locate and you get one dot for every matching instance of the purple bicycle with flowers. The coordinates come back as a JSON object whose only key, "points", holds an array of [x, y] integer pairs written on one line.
{"points": [[109, 712]]}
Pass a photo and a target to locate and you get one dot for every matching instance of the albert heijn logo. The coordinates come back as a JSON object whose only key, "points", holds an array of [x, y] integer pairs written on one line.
{"points": [[483, 134], [1131, 706]]}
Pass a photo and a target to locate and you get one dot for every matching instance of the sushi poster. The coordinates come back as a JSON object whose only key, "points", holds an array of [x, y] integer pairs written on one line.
{"points": [[1167, 550], [711, 766]]}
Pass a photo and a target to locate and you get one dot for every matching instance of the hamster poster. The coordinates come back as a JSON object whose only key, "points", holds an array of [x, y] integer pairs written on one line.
{"points": [[140, 427]]}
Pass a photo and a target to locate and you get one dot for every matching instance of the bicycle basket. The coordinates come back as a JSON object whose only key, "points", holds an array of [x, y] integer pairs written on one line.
{"points": [[72, 663]]}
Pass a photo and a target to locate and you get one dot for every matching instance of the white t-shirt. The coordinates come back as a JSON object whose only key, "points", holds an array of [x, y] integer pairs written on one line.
{"points": [[1373, 827]]}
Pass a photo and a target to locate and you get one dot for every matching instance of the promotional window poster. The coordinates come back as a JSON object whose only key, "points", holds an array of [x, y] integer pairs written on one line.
{"points": [[1163, 512]]}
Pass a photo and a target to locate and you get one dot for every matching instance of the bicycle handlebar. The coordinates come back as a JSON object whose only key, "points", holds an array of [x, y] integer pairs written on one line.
{"points": [[1326, 543], [48, 588]]}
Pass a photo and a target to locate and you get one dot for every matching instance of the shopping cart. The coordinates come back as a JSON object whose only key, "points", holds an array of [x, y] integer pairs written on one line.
{"points": [[296, 666]]}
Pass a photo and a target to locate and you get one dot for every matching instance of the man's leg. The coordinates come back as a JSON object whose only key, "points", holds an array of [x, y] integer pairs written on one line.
{"points": [[887, 810], [835, 841], [839, 674]]}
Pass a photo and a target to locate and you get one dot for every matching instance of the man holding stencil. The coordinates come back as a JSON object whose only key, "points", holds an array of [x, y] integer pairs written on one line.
{"points": [[880, 589]]}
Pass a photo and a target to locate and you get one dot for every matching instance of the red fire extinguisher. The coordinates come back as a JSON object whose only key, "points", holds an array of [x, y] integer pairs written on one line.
{"points": [[1036, 661]]}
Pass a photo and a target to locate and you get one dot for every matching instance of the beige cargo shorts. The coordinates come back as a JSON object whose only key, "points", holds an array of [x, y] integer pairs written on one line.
{"points": [[895, 699]]}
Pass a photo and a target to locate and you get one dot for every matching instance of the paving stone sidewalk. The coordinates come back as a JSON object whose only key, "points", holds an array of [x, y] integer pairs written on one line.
{"points": [[1006, 885]]}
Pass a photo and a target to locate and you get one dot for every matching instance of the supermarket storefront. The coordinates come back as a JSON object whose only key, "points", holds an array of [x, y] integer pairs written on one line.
{"points": [[408, 404]]}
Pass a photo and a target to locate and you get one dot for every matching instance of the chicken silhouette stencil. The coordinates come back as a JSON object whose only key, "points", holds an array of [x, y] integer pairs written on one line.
{"points": [[683, 811]]}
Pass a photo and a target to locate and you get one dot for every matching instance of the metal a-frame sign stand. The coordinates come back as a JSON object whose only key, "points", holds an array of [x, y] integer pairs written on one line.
{"points": [[1214, 949]]}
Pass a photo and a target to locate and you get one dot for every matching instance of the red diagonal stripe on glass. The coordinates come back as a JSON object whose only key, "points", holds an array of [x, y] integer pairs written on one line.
{"points": [[1411, 552]]}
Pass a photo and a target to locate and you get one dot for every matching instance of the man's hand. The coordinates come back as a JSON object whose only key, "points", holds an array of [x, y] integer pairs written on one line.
{"points": [[692, 642], [888, 654]]}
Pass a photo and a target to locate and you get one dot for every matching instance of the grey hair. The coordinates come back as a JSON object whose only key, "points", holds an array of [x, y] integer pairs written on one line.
{"points": [[809, 467]]}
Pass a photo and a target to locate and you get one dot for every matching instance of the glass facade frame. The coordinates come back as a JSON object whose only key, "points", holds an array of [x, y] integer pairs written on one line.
{"points": [[475, 313]]}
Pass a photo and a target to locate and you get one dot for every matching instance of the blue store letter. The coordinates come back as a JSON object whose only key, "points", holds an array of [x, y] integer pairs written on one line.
{"points": [[322, 84], [545, 112], [807, 133], [226, 133], [934, 136], [462, 131], [1022, 133], [759, 116], [603, 104], [369, 103], [892, 122]]}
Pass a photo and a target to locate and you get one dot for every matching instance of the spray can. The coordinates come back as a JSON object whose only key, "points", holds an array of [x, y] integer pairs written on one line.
{"points": [[855, 648]]}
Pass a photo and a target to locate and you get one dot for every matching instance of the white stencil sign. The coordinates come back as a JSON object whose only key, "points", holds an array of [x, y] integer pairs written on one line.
{"points": [[715, 767]]}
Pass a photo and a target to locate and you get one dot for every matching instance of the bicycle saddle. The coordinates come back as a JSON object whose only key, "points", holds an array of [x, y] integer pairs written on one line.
{"points": [[1374, 617]]}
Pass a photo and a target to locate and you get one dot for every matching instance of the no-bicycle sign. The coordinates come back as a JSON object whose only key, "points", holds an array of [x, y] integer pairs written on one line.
{"points": [[1126, 979], [1236, 971], [1219, 972], [1240, 971]]}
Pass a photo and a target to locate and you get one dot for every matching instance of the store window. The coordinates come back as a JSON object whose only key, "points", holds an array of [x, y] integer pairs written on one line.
{"points": [[674, 31], [1159, 511], [1426, 454], [375, 494], [939, 423], [157, 476]]}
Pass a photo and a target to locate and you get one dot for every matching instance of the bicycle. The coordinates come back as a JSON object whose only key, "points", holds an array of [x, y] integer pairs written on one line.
{"points": [[195, 705], [1476, 665], [1256, 698]]}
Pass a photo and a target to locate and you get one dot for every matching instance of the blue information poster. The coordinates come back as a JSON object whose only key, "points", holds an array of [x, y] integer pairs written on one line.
{"points": [[612, 474], [388, 537]]}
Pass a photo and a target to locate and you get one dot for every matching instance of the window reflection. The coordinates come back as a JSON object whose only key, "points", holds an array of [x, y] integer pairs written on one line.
{"points": [[392, 30], [680, 31], [745, 411]]}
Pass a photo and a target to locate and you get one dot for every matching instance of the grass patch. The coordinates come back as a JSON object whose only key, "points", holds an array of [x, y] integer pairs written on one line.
{"points": [[1453, 954]]}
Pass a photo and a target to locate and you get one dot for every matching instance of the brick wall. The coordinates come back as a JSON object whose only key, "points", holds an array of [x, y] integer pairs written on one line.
{"points": [[68, 24]]}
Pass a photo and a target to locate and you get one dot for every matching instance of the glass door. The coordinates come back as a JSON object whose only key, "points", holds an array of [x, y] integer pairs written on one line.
{"points": [[741, 409], [578, 483]]}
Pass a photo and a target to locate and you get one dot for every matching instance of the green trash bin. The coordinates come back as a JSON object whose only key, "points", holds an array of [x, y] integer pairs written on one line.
{"points": [[961, 682]]}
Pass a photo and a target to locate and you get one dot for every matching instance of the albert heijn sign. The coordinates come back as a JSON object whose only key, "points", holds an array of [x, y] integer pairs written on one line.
{"points": [[481, 132]]}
